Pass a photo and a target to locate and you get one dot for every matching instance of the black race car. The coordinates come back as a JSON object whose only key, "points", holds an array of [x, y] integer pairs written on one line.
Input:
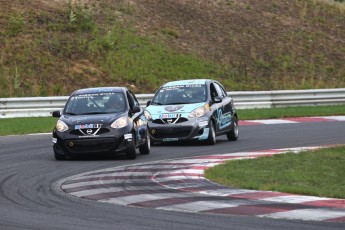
{"points": [[101, 120], [197, 109]]}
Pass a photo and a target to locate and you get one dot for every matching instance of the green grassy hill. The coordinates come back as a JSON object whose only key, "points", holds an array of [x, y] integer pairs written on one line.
{"points": [[53, 47]]}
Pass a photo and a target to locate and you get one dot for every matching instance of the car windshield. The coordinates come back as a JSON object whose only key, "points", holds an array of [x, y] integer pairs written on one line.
{"points": [[180, 94], [96, 103]]}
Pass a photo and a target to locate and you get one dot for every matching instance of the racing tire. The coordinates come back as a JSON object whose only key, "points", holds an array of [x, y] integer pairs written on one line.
{"points": [[146, 147], [131, 152], [234, 133], [58, 156], [211, 140]]}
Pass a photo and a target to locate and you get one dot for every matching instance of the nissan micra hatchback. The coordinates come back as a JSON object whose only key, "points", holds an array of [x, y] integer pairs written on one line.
{"points": [[101, 120], [198, 109]]}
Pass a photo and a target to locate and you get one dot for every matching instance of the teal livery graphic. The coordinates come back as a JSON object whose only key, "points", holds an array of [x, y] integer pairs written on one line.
{"points": [[197, 109], [224, 120]]}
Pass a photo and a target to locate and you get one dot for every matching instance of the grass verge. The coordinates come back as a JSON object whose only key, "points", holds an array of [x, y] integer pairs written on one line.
{"points": [[318, 173], [252, 114], [17, 126]]}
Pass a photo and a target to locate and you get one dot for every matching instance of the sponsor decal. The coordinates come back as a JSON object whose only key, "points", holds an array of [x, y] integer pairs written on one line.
{"points": [[170, 139], [176, 87], [88, 126], [168, 116], [92, 95], [173, 108]]}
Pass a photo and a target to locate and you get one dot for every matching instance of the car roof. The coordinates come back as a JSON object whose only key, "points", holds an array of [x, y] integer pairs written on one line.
{"points": [[188, 82], [99, 90]]}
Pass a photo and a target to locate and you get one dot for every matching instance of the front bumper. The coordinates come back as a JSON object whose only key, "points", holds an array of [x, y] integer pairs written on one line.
{"points": [[72, 145], [193, 129]]}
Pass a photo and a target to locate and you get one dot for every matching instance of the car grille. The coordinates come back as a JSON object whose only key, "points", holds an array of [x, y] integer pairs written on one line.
{"points": [[78, 132], [177, 132], [170, 121], [91, 145]]}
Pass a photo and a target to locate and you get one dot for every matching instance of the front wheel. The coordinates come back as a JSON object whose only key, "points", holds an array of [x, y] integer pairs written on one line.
{"points": [[144, 149], [234, 133]]}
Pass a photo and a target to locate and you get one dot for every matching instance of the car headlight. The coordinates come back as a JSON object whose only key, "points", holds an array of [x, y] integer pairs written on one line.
{"points": [[120, 123], [147, 115], [61, 126], [198, 112]]}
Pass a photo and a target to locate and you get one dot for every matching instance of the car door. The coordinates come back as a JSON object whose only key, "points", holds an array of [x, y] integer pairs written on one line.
{"points": [[224, 108], [216, 106], [139, 120]]}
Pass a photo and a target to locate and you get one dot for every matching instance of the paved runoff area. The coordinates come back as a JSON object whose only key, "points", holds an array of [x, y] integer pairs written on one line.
{"points": [[179, 185]]}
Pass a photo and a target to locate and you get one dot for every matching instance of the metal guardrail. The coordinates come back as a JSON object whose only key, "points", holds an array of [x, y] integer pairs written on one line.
{"points": [[285, 98], [43, 106]]}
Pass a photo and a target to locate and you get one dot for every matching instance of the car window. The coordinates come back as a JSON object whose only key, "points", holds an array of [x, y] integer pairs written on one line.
{"points": [[220, 91], [96, 103], [213, 91], [180, 94], [133, 98], [131, 101], [115, 103]]}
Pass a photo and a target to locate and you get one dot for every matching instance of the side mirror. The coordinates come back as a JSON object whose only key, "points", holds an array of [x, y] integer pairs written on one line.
{"points": [[56, 113], [136, 109], [148, 103], [217, 100]]}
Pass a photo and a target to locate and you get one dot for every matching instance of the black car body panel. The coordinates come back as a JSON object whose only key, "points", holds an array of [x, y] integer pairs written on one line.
{"points": [[101, 124]]}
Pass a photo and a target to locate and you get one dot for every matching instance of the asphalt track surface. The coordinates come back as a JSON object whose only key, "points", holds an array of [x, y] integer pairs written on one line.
{"points": [[28, 171]]}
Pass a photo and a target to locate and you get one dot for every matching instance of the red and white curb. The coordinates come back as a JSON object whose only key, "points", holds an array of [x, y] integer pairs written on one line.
{"points": [[291, 120], [179, 185]]}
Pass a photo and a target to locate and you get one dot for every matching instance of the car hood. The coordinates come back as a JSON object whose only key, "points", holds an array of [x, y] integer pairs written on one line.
{"points": [[183, 109], [105, 119]]}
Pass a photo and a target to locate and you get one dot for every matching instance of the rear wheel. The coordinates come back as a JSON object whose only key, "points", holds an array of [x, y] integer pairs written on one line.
{"points": [[211, 140], [144, 149], [58, 154], [131, 153], [234, 133]]}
